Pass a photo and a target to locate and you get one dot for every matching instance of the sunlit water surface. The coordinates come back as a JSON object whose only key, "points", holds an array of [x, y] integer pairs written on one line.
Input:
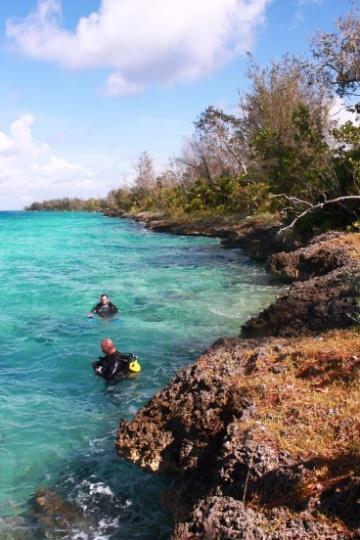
{"points": [[57, 421]]}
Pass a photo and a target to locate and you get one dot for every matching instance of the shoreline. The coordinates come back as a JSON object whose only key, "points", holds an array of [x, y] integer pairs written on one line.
{"points": [[260, 433], [321, 270], [258, 238], [205, 427]]}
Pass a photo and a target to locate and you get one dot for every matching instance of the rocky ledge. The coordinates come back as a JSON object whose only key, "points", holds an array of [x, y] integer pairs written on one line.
{"points": [[326, 292], [262, 438], [262, 434]]}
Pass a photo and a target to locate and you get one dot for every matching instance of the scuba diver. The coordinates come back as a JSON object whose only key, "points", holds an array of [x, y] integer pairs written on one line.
{"points": [[115, 365], [104, 309]]}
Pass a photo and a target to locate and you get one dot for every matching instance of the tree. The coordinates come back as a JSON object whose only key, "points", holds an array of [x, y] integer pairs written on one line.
{"points": [[144, 172], [119, 199], [338, 56], [220, 133], [145, 179], [214, 150], [347, 157], [286, 123]]}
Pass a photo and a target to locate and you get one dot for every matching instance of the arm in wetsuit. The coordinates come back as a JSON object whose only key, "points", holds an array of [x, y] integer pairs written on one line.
{"points": [[112, 310]]}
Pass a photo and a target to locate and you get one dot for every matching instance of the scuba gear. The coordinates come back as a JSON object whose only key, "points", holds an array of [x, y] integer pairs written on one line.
{"points": [[116, 365], [104, 311], [134, 366]]}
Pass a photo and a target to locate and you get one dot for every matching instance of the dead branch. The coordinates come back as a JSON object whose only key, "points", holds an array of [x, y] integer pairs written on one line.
{"points": [[231, 151], [292, 199], [319, 206]]}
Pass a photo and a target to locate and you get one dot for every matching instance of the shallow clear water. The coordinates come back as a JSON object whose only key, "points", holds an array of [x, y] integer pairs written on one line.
{"points": [[57, 421]]}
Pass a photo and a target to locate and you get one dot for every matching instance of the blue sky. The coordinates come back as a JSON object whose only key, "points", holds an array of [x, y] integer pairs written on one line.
{"points": [[79, 103]]}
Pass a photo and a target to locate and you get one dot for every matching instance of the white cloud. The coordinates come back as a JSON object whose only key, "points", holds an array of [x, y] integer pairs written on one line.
{"points": [[29, 170], [142, 42], [340, 113], [117, 85]]}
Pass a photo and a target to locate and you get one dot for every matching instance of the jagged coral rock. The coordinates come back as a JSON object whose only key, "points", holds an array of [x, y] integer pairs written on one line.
{"points": [[220, 518], [326, 295], [261, 434], [253, 446], [324, 254]]}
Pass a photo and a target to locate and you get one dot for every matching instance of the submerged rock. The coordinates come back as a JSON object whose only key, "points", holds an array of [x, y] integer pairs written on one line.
{"points": [[54, 516], [49, 516], [17, 528]]}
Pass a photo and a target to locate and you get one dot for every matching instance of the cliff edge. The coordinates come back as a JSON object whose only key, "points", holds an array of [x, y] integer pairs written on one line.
{"points": [[325, 292], [262, 434]]}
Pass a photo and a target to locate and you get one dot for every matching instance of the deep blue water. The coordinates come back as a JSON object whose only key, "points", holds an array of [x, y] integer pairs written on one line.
{"points": [[58, 422]]}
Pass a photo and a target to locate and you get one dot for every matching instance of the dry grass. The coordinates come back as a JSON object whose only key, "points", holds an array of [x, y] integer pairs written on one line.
{"points": [[308, 394], [348, 241]]}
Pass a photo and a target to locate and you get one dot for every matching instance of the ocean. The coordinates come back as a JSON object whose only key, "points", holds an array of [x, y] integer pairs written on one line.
{"points": [[176, 295]]}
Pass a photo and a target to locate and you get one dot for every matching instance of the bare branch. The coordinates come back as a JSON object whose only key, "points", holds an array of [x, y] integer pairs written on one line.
{"points": [[291, 198], [231, 151], [319, 206]]}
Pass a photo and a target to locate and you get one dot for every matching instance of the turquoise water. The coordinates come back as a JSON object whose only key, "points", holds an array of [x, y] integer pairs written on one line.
{"points": [[57, 426]]}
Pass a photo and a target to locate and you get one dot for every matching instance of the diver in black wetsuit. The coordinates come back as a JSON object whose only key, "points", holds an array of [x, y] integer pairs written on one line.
{"points": [[104, 308], [114, 365]]}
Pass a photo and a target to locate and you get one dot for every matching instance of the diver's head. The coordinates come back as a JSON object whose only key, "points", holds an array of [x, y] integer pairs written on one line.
{"points": [[104, 299], [108, 346]]}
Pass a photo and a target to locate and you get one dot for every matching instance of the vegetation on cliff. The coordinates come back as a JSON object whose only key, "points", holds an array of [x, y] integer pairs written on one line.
{"points": [[282, 153]]}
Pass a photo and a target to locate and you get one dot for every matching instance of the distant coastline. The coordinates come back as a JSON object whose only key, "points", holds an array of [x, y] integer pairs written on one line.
{"points": [[67, 204]]}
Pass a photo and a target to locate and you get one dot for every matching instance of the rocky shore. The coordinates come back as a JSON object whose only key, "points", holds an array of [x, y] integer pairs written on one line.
{"points": [[261, 433], [262, 438], [325, 292], [258, 238]]}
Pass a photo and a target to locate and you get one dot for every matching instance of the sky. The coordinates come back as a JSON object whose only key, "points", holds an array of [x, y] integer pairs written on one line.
{"points": [[86, 86]]}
